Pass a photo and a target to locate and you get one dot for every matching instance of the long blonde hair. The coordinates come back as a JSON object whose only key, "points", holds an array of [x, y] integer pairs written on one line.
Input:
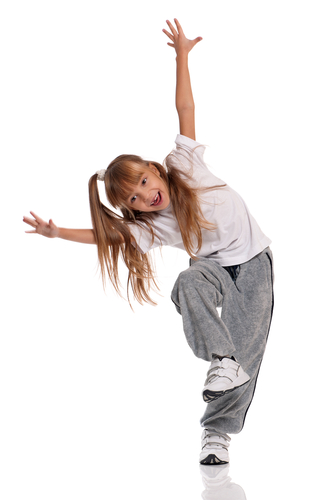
{"points": [[112, 231]]}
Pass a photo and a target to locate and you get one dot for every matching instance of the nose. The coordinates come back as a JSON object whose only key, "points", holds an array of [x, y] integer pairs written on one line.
{"points": [[146, 199]]}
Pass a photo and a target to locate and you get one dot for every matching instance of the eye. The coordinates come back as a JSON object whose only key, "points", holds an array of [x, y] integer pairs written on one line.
{"points": [[144, 180], [133, 199]]}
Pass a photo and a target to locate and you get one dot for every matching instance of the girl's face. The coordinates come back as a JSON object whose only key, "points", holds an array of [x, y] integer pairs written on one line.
{"points": [[151, 193]]}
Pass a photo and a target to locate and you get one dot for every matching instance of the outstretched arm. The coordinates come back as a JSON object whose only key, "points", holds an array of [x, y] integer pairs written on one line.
{"points": [[50, 230], [185, 105]]}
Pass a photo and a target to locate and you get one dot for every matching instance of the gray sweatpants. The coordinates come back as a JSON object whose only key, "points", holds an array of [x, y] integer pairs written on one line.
{"points": [[246, 298]]}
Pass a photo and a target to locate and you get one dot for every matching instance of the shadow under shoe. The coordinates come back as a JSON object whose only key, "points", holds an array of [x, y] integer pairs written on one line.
{"points": [[218, 484]]}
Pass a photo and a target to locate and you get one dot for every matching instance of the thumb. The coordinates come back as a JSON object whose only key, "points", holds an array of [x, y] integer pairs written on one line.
{"points": [[198, 39]]}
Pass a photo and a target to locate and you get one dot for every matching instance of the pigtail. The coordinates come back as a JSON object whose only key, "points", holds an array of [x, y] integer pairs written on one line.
{"points": [[114, 239], [112, 231]]}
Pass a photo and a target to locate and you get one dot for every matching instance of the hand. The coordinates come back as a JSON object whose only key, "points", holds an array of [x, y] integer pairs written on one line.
{"points": [[180, 43], [50, 230]]}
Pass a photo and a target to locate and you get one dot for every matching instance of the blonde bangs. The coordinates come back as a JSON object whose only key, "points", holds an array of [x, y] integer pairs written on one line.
{"points": [[121, 181]]}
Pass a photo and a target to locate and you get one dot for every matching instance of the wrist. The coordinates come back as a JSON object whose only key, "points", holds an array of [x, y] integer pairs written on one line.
{"points": [[182, 55]]}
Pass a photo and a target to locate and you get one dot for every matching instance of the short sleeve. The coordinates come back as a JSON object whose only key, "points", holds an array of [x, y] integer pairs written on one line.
{"points": [[188, 154], [187, 143], [143, 238]]}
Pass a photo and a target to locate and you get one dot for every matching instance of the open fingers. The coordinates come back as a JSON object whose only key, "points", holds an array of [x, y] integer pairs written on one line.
{"points": [[38, 219], [178, 25], [31, 222], [171, 27], [169, 35]]}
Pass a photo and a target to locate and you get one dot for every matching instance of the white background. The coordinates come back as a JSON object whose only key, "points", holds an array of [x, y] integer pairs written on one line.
{"points": [[101, 402]]}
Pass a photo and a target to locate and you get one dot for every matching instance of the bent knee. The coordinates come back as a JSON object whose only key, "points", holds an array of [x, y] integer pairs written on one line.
{"points": [[185, 281], [189, 277]]}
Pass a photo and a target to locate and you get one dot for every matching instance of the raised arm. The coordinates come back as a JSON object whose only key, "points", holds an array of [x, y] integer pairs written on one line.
{"points": [[184, 100], [50, 230]]}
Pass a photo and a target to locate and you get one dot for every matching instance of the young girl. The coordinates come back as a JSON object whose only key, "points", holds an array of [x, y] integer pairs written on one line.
{"points": [[184, 205]]}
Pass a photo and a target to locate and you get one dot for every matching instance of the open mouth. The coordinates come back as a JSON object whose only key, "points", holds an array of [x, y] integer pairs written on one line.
{"points": [[157, 200]]}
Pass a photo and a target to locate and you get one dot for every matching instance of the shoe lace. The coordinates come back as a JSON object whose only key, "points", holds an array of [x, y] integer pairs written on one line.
{"points": [[209, 438], [216, 370], [211, 374]]}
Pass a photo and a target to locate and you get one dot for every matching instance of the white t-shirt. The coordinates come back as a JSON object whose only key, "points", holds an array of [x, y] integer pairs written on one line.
{"points": [[237, 237]]}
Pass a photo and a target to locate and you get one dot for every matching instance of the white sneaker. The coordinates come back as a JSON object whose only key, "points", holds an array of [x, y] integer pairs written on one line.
{"points": [[214, 448], [224, 376]]}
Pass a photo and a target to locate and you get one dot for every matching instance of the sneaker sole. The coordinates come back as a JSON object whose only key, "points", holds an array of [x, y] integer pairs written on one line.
{"points": [[212, 460], [209, 396]]}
